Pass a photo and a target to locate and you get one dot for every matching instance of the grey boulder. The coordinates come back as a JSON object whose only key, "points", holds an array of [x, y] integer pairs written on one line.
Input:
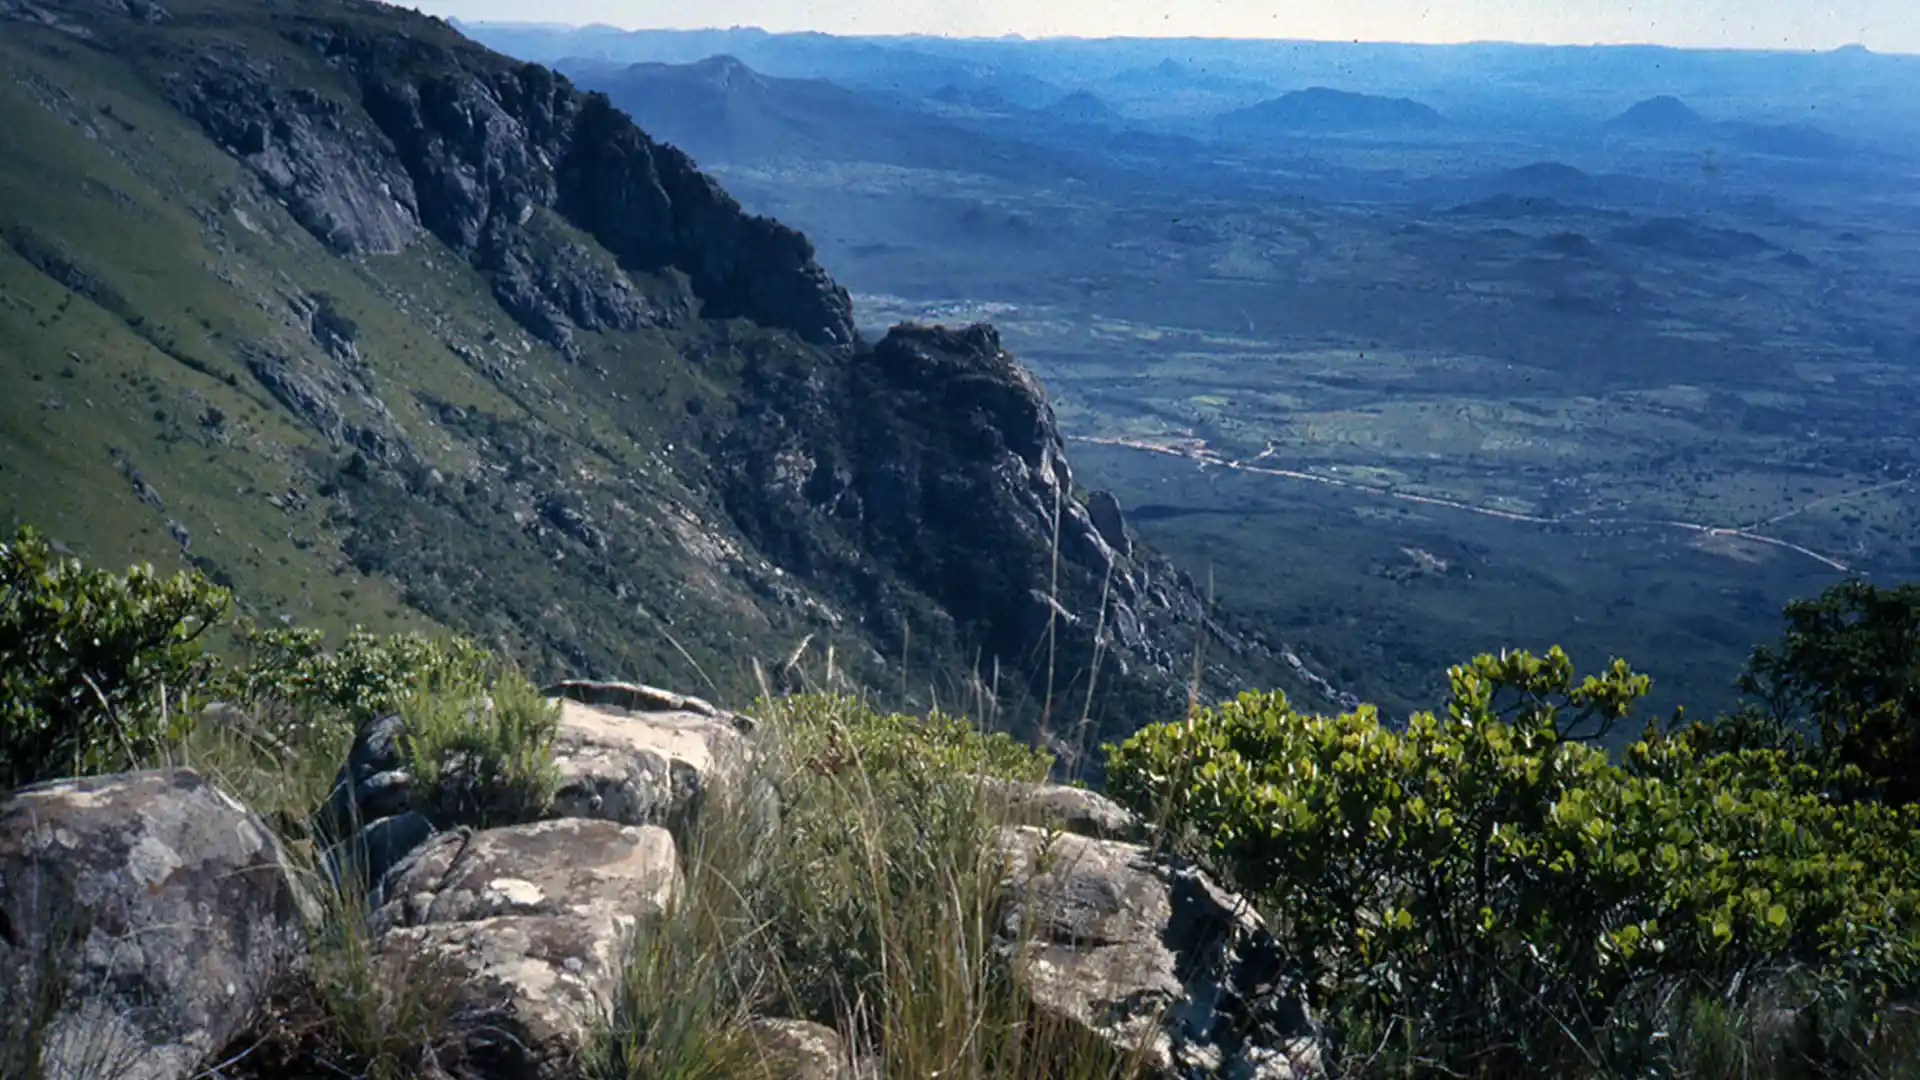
{"points": [[528, 929], [1148, 956], [144, 917]]}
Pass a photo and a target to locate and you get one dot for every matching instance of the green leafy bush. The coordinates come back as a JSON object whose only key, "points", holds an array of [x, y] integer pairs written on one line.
{"points": [[361, 675], [1845, 676], [1485, 874], [93, 665]]}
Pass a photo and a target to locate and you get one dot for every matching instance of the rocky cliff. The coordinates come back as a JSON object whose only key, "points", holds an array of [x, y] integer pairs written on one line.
{"points": [[380, 327]]}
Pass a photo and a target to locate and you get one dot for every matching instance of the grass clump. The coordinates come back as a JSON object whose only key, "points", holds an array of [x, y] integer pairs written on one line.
{"points": [[869, 904], [481, 755]]}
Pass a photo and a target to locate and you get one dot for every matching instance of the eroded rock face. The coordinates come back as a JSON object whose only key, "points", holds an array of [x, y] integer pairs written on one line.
{"points": [[1069, 809], [650, 761], [528, 927], [1104, 508], [1143, 952], [639, 697], [642, 767], [425, 131], [929, 477], [168, 906], [798, 1050]]}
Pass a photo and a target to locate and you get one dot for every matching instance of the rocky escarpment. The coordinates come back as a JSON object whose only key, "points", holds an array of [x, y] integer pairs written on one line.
{"points": [[931, 465], [423, 130], [394, 328]]}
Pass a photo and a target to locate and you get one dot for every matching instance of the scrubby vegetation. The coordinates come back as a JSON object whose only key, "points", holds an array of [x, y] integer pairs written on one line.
{"points": [[1484, 891], [1479, 890]]}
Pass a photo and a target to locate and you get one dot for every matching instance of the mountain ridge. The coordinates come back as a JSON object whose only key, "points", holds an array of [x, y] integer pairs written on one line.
{"points": [[1325, 109], [378, 326]]}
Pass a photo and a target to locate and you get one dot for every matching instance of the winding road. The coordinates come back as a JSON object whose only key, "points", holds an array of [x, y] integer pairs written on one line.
{"points": [[1195, 450]]}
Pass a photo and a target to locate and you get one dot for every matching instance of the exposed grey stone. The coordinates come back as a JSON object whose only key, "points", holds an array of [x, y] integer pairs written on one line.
{"points": [[1075, 810], [364, 860], [1104, 508], [798, 1050], [531, 926], [634, 697], [1148, 954], [162, 910], [643, 767]]}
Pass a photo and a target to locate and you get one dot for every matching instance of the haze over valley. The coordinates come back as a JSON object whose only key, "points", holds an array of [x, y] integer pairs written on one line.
{"points": [[1411, 351]]}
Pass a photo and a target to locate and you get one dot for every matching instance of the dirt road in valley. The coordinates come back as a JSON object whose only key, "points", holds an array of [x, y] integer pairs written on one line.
{"points": [[1197, 451]]}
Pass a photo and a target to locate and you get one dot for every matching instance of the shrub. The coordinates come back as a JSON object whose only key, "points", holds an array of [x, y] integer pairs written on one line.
{"points": [[93, 665], [1486, 873], [364, 674], [1846, 673]]}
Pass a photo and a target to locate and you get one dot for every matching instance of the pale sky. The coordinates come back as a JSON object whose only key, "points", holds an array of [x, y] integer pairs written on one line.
{"points": [[1886, 25]]}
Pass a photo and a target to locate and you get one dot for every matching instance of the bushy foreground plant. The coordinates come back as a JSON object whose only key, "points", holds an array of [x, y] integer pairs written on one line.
{"points": [[1495, 891], [481, 752], [359, 676], [93, 665]]}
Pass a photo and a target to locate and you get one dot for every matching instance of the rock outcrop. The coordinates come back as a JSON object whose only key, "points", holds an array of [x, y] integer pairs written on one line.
{"points": [[529, 927], [636, 768], [427, 131], [1151, 957], [170, 918], [652, 761], [143, 918], [930, 465], [799, 1050], [1068, 809]]}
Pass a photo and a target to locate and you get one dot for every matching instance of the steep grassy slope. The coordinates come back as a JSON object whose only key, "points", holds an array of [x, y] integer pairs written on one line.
{"points": [[383, 328]]}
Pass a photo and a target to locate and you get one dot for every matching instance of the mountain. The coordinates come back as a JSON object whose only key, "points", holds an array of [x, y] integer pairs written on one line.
{"points": [[1322, 110], [1083, 107], [1170, 76], [1662, 115], [1550, 180], [377, 326], [1668, 117], [720, 109], [897, 66]]}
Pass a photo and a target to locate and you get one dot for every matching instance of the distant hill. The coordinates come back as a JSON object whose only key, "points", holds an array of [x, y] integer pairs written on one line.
{"points": [[1667, 116], [1786, 140], [721, 110], [1170, 76], [1324, 110], [1679, 236], [971, 99], [1549, 179], [1663, 115], [1083, 107]]}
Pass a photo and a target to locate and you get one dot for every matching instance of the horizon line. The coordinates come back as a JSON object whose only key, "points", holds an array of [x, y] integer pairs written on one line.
{"points": [[1014, 38]]}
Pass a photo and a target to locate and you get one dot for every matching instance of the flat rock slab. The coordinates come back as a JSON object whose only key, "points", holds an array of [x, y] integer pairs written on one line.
{"points": [[1149, 956], [159, 906], [570, 866], [638, 697], [1074, 810], [642, 768], [528, 929]]}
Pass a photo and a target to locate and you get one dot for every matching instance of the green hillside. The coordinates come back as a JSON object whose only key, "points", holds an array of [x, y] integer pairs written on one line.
{"points": [[381, 328]]}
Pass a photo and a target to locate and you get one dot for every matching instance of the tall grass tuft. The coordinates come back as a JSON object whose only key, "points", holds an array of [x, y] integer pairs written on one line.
{"points": [[870, 907]]}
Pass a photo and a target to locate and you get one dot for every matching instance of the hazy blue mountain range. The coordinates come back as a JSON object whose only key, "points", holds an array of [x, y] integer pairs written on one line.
{"points": [[1485, 345]]}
